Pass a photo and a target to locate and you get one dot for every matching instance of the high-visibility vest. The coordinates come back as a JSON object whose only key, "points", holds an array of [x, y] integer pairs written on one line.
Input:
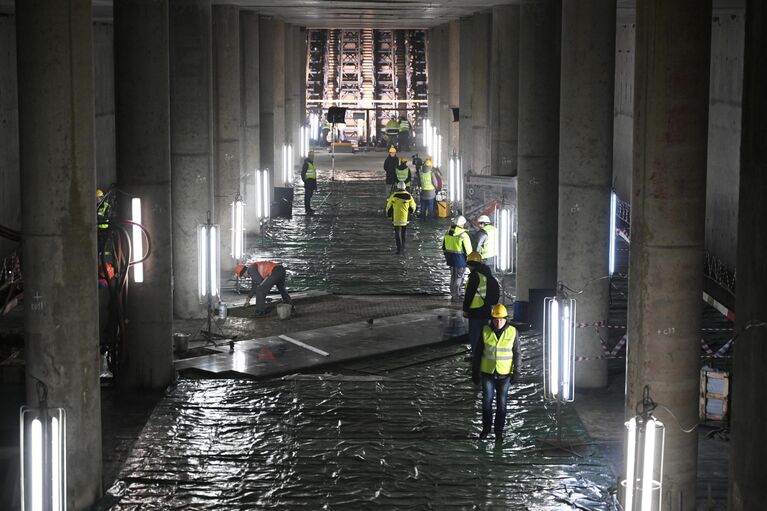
{"points": [[311, 170], [488, 249], [479, 297], [404, 126], [457, 240], [426, 183], [402, 174], [498, 354], [103, 211], [401, 203], [392, 127], [265, 268]]}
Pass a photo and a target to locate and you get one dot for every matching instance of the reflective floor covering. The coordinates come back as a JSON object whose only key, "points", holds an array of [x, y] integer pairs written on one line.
{"points": [[392, 432]]}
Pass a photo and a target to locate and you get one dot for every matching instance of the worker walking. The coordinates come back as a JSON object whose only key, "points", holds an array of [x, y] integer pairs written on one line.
{"points": [[456, 245], [264, 275], [427, 180], [399, 207], [487, 241], [392, 132], [309, 177], [482, 293], [390, 167], [404, 133], [402, 174], [495, 365]]}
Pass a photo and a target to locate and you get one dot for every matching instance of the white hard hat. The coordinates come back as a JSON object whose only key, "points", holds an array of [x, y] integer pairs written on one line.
{"points": [[400, 185], [460, 221], [484, 219]]}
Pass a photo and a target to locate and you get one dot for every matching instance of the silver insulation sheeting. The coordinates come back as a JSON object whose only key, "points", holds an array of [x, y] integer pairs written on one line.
{"points": [[393, 432]]}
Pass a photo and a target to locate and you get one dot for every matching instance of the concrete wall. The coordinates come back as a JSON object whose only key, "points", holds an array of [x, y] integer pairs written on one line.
{"points": [[723, 165], [104, 88], [10, 185]]}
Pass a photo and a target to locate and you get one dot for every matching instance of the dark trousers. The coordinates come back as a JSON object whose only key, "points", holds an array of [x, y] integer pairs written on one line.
{"points": [[276, 278], [404, 140], [399, 237], [310, 185], [427, 206], [475, 331], [498, 386]]}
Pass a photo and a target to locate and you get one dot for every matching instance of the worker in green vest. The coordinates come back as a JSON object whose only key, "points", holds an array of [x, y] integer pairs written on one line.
{"points": [[392, 132], [404, 133], [482, 293], [456, 245], [495, 364], [309, 177], [399, 207], [487, 241], [402, 173], [103, 209], [428, 183]]}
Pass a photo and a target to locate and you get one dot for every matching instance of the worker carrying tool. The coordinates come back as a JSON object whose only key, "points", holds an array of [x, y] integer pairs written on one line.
{"points": [[309, 177], [399, 207], [487, 241], [495, 365], [402, 174], [264, 275], [392, 132], [426, 179], [404, 133], [456, 245], [482, 293]]}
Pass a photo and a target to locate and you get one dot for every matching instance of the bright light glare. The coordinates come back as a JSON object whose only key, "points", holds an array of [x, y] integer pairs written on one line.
{"points": [[202, 260], [238, 227], [452, 180], [138, 240], [613, 212], [314, 122], [214, 264], [649, 462], [504, 234], [267, 192], [36, 434], [566, 355], [631, 463], [554, 348], [56, 487]]}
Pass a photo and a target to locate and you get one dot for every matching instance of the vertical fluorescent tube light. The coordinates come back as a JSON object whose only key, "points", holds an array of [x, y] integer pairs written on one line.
{"points": [[43, 474], [307, 144], [433, 150], [314, 122], [426, 129], [266, 195], [284, 163], [459, 166], [209, 261], [439, 151], [215, 260], [644, 464], [504, 242], [613, 212], [238, 227], [202, 262], [138, 241], [452, 184], [558, 349]]}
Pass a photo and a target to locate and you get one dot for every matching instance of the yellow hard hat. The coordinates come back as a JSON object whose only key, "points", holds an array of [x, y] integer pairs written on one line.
{"points": [[392, 149], [99, 193], [499, 311], [474, 257]]}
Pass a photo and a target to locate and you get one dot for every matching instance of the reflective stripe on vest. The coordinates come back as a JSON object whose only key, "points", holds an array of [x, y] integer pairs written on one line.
{"points": [[402, 174], [103, 212], [311, 171], [479, 297], [488, 248], [265, 268], [426, 183], [498, 354], [404, 126], [454, 242]]}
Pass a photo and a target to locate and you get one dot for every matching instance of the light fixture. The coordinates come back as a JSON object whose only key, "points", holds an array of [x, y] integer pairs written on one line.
{"points": [[43, 456], [287, 164], [208, 261], [455, 186], [263, 194], [642, 488], [137, 241], [558, 348], [439, 151], [504, 221], [433, 144], [305, 144], [314, 123], [425, 133], [613, 212], [238, 227]]}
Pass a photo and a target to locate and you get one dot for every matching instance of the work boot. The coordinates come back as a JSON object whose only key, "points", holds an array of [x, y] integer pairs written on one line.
{"points": [[484, 434]]}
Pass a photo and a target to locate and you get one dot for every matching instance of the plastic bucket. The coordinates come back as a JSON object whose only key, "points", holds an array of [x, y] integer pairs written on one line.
{"points": [[283, 310], [443, 209]]}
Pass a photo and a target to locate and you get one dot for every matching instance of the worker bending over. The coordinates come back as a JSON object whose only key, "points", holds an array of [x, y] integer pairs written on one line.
{"points": [[399, 207], [264, 275], [495, 364], [482, 293], [456, 245]]}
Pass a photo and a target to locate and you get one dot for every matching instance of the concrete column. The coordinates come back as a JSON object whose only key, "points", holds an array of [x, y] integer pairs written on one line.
{"points": [[445, 114], [301, 61], [250, 114], [56, 115], [466, 86], [537, 164], [454, 65], [480, 102], [191, 144], [585, 170], [667, 226], [748, 422], [272, 95], [435, 89], [143, 170], [228, 103], [291, 94], [504, 90]]}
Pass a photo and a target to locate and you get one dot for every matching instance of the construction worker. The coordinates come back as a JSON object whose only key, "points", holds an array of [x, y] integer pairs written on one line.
{"points": [[392, 132], [456, 245], [103, 205], [402, 174], [309, 177], [399, 207], [390, 166], [404, 133], [264, 275], [495, 364], [487, 241], [427, 182], [482, 292]]}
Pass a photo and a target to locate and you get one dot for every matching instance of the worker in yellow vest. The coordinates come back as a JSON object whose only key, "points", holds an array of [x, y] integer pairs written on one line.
{"points": [[404, 133], [399, 207], [309, 177], [482, 293], [487, 241], [456, 245], [427, 182], [495, 365]]}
